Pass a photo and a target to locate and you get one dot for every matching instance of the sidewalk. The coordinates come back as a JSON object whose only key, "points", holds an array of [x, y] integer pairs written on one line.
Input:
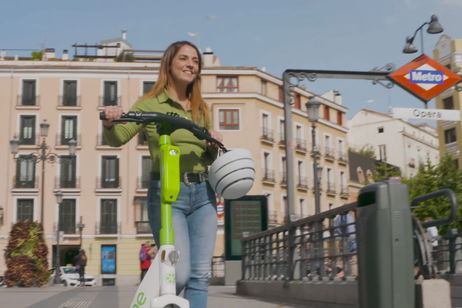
{"points": [[113, 296]]}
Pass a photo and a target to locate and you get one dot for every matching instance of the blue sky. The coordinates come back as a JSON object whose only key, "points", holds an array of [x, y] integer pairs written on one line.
{"points": [[275, 34]]}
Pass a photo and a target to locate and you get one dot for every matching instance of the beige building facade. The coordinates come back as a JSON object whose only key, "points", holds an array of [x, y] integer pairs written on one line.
{"points": [[448, 52], [104, 188]]}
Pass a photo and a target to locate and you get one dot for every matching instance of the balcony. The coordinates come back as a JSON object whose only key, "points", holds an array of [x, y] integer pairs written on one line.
{"points": [[282, 140], [107, 228], [331, 189], [107, 183], [300, 145], [342, 158], [268, 176], [272, 218], [143, 227], [283, 181], [267, 135], [19, 182], [105, 101], [302, 183], [28, 102], [344, 193], [67, 183], [329, 154], [61, 140], [69, 101]]}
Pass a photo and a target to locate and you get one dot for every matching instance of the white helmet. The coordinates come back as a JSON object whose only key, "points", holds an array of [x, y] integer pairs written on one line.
{"points": [[232, 174]]}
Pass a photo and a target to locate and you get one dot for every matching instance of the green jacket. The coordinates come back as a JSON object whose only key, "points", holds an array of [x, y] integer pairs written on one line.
{"points": [[195, 155]]}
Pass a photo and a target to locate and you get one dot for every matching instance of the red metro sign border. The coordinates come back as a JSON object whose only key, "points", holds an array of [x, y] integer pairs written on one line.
{"points": [[424, 78]]}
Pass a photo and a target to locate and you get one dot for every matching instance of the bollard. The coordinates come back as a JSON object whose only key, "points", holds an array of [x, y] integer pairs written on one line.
{"points": [[385, 250]]}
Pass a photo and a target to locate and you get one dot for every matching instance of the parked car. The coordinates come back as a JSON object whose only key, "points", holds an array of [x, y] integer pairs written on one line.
{"points": [[70, 277]]}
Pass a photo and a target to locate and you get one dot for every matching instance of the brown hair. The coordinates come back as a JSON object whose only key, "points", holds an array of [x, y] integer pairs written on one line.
{"points": [[193, 91]]}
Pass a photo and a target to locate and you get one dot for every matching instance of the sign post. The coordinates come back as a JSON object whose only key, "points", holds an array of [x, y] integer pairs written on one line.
{"points": [[426, 114]]}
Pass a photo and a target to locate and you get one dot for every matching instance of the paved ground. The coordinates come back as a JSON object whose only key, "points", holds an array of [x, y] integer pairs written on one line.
{"points": [[113, 297]]}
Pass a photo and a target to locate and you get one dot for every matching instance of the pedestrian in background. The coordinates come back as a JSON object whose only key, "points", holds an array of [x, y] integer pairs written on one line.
{"points": [[145, 259], [80, 262]]}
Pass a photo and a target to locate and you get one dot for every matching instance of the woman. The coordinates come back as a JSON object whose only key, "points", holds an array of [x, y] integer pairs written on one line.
{"points": [[178, 89], [80, 263]]}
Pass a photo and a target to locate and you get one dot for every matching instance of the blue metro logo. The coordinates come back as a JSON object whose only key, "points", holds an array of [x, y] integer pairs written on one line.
{"points": [[426, 76]]}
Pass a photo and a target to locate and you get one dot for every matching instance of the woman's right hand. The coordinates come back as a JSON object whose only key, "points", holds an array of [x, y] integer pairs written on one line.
{"points": [[111, 113]]}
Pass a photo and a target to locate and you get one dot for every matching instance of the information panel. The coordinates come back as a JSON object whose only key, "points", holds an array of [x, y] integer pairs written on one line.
{"points": [[243, 217], [108, 259]]}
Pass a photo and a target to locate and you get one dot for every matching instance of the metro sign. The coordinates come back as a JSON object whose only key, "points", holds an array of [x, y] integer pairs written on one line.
{"points": [[424, 78]]}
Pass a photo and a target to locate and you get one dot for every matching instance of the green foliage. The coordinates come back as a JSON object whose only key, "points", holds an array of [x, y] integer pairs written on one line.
{"points": [[384, 171], [37, 55], [125, 57], [367, 150], [26, 256], [431, 178]]}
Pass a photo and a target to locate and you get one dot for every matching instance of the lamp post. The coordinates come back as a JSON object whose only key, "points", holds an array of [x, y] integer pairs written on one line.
{"points": [[59, 200], [434, 27], [43, 155], [80, 226], [312, 106]]}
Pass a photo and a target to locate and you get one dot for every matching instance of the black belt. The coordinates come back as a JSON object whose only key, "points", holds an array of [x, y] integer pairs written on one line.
{"points": [[186, 177]]}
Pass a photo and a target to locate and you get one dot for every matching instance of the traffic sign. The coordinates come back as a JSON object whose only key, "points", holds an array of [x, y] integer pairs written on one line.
{"points": [[424, 78], [426, 114]]}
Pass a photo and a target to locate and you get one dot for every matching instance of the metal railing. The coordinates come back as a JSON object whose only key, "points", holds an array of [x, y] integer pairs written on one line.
{"points": [[310, 249]]}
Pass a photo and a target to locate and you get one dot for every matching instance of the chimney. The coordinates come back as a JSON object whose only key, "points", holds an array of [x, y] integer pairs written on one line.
{"points": [[65, 55], [124, 35], [49, 54], [210, 59]]}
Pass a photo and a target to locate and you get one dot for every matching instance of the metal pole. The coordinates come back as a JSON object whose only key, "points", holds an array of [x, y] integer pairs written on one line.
{"points": [[289, 149], [317, 199], [43, 157], [57, 270], [80, 231]]}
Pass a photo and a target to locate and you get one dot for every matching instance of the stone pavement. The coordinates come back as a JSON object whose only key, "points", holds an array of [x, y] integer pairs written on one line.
{"points": [[113, 297]]}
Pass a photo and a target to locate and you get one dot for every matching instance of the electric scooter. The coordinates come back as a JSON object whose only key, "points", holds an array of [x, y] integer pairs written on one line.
{"points": [[158, 288]]}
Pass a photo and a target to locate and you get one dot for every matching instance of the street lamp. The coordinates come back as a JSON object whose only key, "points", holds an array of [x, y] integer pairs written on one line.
{"points": [[80, 226], [434, 27], [43, 155], [59, 200], [312, 106]]}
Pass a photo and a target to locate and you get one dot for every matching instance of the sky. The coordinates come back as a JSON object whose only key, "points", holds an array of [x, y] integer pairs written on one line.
{"points": [[351, 35]]}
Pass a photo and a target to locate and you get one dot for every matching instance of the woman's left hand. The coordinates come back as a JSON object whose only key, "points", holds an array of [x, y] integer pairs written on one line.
{"points": [[215, 135]]}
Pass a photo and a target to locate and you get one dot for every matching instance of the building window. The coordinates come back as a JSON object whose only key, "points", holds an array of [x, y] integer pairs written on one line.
{"points": [[69, 93], [67, 216], [25, 210], [68, 170], [227, 84], [141, 216], [326, 113], [450, 135], [382, 152], [68, 129], [147, 86], [229, 119], [448, 103], [110, 172], [108, 224], [298, 101], [146, 163], [29, 93], [339, 118], [263, 87], [27, 130], [110, 93], [25, 172], [281, 94], [380, 130]]}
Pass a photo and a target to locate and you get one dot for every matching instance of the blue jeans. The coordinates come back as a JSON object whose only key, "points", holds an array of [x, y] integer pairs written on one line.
{"points": [[195, 223]]}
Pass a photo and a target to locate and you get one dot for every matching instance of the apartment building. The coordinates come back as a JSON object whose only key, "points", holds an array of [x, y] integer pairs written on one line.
{"points": [[393, 140], [448, 52], [104, 188]]}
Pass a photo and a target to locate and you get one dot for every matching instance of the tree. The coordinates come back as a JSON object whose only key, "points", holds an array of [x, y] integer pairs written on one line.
{"points": [[431, 178], [384, 171], [26, 256]]}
